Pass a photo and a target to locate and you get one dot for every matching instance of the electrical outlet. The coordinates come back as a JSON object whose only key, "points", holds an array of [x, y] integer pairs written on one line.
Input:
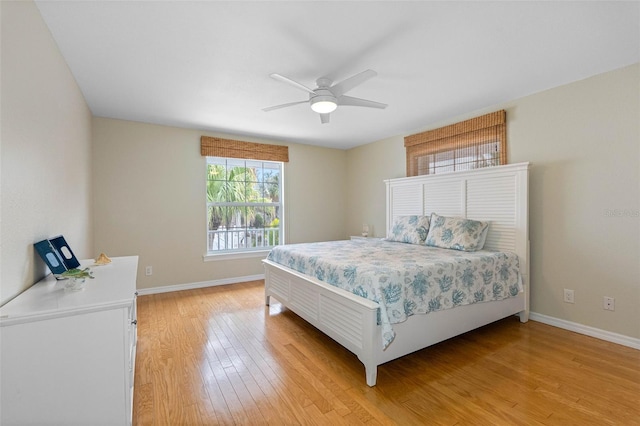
{"points": [[568, 296], [148, 270], [609, 304]]}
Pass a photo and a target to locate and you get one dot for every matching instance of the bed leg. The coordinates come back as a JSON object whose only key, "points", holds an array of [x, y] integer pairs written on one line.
{"points": [[524, 316], [267, 299], [372, 375]]}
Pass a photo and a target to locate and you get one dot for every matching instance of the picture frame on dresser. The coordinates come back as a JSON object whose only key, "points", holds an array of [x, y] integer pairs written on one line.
{"points": [[57, 255], [50, 256]]}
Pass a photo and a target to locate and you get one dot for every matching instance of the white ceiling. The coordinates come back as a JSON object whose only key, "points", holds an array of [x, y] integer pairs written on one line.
{"points": [[206, 64]]}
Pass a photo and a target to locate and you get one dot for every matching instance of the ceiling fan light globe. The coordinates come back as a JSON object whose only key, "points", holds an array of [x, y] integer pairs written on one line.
{"points": [[323, 104], [324, 107]]}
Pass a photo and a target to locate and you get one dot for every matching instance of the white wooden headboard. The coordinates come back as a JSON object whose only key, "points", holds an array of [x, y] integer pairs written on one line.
{"points": [[498, 194]]}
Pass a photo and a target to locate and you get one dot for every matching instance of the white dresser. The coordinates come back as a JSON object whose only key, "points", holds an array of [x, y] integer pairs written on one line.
{"points": [[69, 357]]}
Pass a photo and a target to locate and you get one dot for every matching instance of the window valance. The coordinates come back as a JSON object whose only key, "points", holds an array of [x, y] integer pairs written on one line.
{"points": [[229, 148]]}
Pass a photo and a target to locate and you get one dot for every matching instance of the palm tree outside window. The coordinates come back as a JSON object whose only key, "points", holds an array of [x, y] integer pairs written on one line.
{"points": [[244, 204]]}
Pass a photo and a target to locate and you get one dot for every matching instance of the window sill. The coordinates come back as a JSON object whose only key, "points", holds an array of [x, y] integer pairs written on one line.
{"points": [[235, 255]]}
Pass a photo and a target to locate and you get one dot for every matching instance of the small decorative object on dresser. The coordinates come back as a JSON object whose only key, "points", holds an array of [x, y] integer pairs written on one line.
{"points": [[76, 278], [103, 259]]}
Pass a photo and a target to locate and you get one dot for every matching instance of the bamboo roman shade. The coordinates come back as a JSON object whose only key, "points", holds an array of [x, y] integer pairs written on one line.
{"points": [[470, 144], [229, 148]]}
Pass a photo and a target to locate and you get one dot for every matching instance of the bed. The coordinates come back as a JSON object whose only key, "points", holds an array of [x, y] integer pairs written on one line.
{"points": [[497, 195]]}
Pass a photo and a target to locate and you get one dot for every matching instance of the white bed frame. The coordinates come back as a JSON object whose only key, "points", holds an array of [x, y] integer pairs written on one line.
{"points": [[496, 194]]}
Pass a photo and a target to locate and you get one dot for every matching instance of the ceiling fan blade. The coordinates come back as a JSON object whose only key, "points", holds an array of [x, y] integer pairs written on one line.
{"points": [[324, 118], [284, 105], [351, 101], [344, 86], [292, 83]]}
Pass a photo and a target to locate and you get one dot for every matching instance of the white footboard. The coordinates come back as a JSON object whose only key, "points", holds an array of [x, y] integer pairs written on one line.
{"points": [[348, 319]]}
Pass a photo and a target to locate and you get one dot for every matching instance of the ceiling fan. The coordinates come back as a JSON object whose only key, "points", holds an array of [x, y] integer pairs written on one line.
{"points": [[325, 98]]}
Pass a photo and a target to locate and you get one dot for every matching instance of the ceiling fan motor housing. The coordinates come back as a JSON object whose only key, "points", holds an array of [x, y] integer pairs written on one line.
{"points": [[323, 83]]}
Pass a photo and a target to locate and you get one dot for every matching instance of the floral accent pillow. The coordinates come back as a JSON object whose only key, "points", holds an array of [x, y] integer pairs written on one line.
{"points": [[409, 229], [457, 233]]}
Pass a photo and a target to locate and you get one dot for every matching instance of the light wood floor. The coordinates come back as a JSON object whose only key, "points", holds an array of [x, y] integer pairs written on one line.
{"points": [[219, 356]]}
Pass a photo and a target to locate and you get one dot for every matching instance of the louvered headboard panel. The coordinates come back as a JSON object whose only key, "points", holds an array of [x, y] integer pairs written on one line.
{"points": [[494, 200], [499, 195]]}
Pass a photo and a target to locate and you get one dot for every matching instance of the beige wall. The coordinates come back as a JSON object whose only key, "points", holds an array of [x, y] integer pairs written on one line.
{"points": [[583, 140], [149, 185], [46, 148], [367, 168]]}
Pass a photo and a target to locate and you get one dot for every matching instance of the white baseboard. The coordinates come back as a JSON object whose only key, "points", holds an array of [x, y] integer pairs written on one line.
{"points": [[202, 284], [585, 329]]}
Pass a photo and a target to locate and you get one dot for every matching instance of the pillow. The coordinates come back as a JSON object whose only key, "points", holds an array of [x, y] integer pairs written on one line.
{"points": [[457, 233], [409, 229]]}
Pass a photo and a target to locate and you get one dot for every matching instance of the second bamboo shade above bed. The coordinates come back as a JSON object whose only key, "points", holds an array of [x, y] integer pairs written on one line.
{"points": [[470, 144]]}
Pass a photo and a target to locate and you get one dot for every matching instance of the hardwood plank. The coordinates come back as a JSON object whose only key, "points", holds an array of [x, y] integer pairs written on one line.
{"points": [[219, 413], [143, 404], [217, 355]]}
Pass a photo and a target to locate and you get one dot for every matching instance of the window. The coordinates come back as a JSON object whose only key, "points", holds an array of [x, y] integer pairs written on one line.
{"points": [[471, 157], [244, 195], [470, 144], [244, 204]]}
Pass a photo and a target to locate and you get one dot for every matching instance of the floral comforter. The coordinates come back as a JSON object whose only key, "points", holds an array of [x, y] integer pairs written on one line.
{"points": [[405, 279]]}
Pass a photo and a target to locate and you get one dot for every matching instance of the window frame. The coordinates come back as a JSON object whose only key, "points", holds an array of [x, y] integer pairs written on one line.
{"points": [[244, 252]]}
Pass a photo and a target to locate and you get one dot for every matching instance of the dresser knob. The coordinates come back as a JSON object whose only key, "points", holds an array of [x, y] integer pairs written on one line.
{"points": [[134, 322]]}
